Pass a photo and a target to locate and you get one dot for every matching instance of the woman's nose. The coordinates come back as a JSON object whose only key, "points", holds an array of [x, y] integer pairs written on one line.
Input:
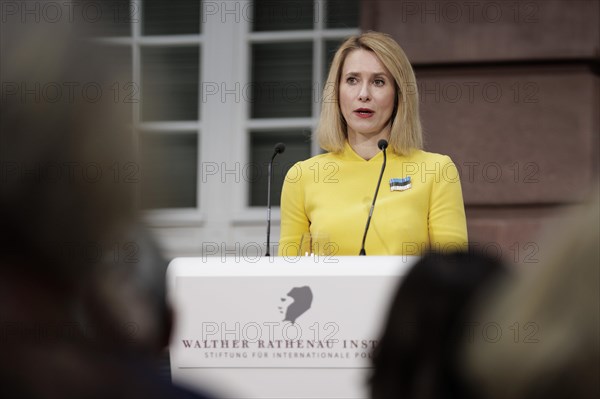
{"points": [[363, 94]]}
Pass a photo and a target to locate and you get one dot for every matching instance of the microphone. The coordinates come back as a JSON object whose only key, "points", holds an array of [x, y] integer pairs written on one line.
{"points": [[278, 149], [382, 144]]}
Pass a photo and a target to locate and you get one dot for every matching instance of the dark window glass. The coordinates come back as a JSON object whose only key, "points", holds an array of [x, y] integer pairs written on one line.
{"points": [[342, 13], [297, 148], [103, 18], [331, 46], [174, 17], [170, 77], [169, 170], [281, 80], [271, 15]]}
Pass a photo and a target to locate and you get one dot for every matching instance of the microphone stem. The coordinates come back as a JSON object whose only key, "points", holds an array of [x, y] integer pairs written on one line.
{"points": [[270, 173], [362, 247]]}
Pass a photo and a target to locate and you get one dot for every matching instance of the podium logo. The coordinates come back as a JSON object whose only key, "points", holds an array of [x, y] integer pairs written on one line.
{"points": [[302, 297]]}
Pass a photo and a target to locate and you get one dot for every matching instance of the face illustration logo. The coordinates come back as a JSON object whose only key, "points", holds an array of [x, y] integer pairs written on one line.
{"points": [[302, 297]]}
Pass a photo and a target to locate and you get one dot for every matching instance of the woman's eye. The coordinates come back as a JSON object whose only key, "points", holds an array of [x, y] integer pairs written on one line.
{"points": [[351, 80], [379, 82]]}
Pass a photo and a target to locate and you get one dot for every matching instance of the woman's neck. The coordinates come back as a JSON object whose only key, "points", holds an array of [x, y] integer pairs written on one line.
{"points": [[366, 146]]}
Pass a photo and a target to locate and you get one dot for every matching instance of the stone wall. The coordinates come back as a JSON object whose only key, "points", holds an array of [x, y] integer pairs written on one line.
{"points": [[510, 90]]}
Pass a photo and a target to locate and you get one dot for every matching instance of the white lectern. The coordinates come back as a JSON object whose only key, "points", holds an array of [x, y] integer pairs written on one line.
{"points": [[279, 327]]}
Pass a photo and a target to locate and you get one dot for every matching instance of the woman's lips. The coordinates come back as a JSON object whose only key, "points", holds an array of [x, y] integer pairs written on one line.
{"points": [[364, 112]]}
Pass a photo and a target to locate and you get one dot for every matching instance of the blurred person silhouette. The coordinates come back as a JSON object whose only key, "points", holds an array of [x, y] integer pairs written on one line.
{"points": [[82, 301], [417, 355], [553, 308]]}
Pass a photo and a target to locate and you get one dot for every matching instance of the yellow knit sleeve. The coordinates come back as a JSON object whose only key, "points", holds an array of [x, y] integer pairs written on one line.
{"points": [[294, 221], [447, 220]]}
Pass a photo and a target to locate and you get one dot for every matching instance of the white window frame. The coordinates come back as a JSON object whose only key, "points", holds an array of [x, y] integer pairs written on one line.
{"points": [[223, 215]]}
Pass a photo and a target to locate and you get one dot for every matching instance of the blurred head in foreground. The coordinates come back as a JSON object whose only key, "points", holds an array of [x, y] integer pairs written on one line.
{"points": [[61, 132], [81, 283], [417, 356], [550, 316]]}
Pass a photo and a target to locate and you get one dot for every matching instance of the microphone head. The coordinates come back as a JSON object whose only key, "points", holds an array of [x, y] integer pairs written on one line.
{"points": [[280, 148], [382, 144]]}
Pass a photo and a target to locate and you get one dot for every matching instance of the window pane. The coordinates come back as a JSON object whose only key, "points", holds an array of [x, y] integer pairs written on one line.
{"points": [[297, 148], [110, 18], [331, 46], [174, 17], [272, 15], [170, 79], [281, 80], [169, 170], [342, 13]]}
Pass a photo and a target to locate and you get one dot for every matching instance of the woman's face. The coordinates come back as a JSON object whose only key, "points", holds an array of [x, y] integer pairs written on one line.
{"points": [[367, 93]]}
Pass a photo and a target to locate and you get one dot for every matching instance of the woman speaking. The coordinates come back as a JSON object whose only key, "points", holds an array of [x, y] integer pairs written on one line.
{"points": [[371, 95]]}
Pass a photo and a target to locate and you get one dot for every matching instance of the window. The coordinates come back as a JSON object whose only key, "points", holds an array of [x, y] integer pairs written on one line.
{"points": [[218, 84], [292, 43]]}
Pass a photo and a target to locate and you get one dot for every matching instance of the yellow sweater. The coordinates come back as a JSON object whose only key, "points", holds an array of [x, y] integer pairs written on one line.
{"points": [[330, 195]]}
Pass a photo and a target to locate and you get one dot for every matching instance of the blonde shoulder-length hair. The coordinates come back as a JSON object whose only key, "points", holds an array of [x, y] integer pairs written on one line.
{"points": [[406, 133]]}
